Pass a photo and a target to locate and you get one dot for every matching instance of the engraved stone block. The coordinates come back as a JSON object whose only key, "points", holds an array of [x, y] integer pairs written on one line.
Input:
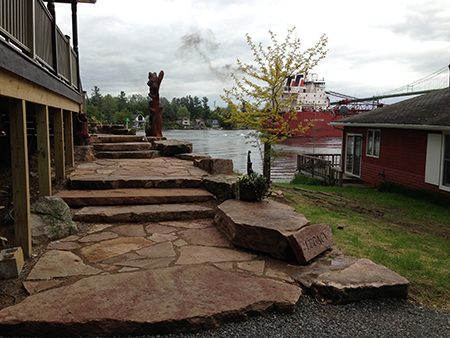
{"points": [[311, 241]]}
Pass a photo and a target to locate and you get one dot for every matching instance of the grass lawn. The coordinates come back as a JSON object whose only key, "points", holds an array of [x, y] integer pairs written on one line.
{"points": [[408, 236]]}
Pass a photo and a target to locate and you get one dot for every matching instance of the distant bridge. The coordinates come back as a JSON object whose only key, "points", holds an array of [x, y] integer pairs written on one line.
{"points": [[430, 83]]}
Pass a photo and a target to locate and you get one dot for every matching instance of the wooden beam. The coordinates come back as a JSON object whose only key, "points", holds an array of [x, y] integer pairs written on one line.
{"points": [[14, 86], [68, 138], [43, 148], [20, 175], [58, 130]]}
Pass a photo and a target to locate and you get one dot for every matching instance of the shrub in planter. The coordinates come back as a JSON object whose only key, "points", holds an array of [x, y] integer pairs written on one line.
{"points": [[253, 187]]}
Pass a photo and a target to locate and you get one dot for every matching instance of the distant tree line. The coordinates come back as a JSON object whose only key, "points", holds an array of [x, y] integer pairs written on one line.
{"points": [[116, 110]]}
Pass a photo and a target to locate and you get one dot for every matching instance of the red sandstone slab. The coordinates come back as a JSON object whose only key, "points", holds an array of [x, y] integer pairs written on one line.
{"points": [[142, 213], [344, 280], [129, 146], [261, 226], [133, 196], [118, 181], [118, 138], [167, 300], [137, 154], [311, 241]]}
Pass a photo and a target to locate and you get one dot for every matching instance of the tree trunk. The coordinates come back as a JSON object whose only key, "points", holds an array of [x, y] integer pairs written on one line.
{"points": [[267, 160], [154, 82]]}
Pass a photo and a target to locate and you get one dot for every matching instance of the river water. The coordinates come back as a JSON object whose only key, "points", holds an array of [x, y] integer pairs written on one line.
{"points": [[234, 145]]}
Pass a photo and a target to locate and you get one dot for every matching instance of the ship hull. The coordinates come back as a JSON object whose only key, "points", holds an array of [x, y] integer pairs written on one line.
{"points": [[319, 121]]}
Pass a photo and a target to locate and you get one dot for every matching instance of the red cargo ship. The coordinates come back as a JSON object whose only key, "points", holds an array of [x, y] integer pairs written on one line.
{"points": [[313, 106]]}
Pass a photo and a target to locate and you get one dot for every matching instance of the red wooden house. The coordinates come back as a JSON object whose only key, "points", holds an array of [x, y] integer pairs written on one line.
{"points": [[407, 143]]}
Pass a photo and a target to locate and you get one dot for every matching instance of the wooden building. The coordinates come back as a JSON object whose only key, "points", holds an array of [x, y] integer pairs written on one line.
{"points": [[407, 143], [40, 96]]}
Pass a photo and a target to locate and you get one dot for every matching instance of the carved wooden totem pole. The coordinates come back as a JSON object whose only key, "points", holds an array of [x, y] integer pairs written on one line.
{"points": [[154, 82]]}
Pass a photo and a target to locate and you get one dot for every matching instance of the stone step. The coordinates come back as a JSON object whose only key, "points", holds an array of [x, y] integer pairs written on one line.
{"points": [[133, 196], [142, 213], [94, 183], [128, 154], [126, 146], [118, 138]]}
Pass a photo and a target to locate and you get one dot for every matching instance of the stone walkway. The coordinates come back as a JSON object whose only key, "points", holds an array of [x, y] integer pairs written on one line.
{"points": [[149, 277]]}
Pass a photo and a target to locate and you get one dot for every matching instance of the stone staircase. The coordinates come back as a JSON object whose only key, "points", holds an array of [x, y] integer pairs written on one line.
{"points": [[124, 146], [116, 192]]}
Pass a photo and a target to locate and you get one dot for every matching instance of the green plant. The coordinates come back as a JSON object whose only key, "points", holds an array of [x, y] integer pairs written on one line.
{"points": [[301, 179], [258, 183], [257, 99]]}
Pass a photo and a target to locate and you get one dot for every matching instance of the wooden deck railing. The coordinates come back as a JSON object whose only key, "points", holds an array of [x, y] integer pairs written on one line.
{"points": [[324, 166], [30, 28]]}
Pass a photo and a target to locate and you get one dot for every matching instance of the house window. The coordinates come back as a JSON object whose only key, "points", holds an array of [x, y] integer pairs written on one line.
{"points": [[373, 143], [446, 176]]}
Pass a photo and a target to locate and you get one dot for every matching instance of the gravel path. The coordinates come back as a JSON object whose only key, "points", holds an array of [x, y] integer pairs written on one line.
{"points": [[372, 318]]}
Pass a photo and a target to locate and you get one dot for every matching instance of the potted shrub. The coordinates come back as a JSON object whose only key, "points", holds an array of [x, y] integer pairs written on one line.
{"points": [[253, 187]]}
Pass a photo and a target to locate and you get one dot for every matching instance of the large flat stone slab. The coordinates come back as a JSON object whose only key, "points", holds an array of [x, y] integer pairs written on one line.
{"points": [[56, 263], [175, 299], [347, 279], [133, 196], [142, 213], [172, 147], [128, 146], [113, 248], [128, 154], [261, 226], [203, 254], [97, 182], [117, 138], [192, 156]]}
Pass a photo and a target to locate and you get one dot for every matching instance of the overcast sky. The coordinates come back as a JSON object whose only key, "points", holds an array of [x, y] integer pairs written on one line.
{"points": [[373, 46]]}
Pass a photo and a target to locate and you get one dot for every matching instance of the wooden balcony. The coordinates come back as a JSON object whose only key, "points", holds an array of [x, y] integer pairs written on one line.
{"points": [[28, 28]]}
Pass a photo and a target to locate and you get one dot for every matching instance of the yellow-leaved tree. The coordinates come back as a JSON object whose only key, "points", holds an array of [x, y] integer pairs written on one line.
{"points": [[257, 101]]}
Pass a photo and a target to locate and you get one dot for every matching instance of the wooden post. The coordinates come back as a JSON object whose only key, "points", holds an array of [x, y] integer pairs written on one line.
{"points": [[58, 130], [68, 138], [20, 174], [43, 147]]}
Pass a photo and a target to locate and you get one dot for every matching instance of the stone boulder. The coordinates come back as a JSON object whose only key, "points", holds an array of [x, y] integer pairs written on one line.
{"points": [[343, 279], [224, 187], [192, 156], [84, 154], [51, 220], [215, 166], [170, 148], [261, 226]]}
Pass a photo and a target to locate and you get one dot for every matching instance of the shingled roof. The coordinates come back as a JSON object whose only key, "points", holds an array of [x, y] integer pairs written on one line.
{"points": [[432, 109]]}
